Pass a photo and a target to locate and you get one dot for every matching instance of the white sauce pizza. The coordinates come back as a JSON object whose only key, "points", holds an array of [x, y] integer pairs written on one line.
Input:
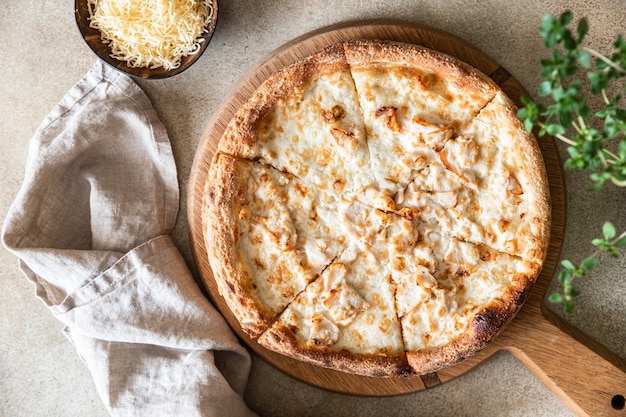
{"points": [[376, 208]]}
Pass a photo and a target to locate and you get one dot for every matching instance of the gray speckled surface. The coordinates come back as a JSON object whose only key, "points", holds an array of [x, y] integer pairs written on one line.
{"points": [[43, 56]]}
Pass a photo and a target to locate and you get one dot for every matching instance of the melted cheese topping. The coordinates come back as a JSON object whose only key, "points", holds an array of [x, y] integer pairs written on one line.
{"points": [[473, 191], [441, 281], [151, 33], [317, 135], [401, 198], [409, 114], [286, 236], [349, 307]]}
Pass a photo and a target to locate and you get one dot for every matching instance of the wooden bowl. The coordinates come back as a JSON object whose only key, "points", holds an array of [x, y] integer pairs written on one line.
{"points": [[93, 39]]}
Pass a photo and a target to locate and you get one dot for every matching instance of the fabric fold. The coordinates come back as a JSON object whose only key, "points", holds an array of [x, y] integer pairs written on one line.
{"points": [[90, 228]]}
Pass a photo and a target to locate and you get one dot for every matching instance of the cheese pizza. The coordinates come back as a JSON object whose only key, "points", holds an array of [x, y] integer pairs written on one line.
{"points": [[376, 208]]}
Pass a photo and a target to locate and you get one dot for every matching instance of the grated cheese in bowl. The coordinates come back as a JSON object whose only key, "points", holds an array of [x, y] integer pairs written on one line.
{"points": [[151, 33]]}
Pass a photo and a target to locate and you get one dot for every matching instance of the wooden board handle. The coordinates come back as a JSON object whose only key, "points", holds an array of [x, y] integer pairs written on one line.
{"points": [[578, 376]]}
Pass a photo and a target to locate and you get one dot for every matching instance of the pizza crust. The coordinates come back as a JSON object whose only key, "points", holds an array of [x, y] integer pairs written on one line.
{"points": [[281, 339], [368, 53], [223, 197], [448, 204]]}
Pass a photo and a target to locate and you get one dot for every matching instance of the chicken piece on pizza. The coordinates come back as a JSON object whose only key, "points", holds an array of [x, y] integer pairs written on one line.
{"points": [[267, 236], [413, 101], [305, 120], [361, 224], [345, 319]]}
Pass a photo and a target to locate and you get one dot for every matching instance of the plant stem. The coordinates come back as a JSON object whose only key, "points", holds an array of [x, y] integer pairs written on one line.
{"points": [[605, 98], [579, 128], [617, 182], [566, 140], [612, 155], [603, 159], [606, 60]]}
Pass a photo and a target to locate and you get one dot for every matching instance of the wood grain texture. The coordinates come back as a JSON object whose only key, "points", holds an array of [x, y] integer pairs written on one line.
{"points": [[582, 379]]}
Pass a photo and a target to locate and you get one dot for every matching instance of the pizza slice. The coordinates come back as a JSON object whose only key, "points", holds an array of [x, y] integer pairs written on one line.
{"points": [[345, 319], [488, 185], [305, 120], [413, 101], [267, 236], [452, 297]]}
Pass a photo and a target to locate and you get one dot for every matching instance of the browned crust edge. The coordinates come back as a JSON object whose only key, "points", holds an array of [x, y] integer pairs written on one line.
{"points": [[362, 52], [535, 182], [281, 339], [222, 201]]}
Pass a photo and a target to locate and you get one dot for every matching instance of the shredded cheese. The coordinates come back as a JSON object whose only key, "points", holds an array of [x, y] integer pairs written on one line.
{"points": [[151, 33]]}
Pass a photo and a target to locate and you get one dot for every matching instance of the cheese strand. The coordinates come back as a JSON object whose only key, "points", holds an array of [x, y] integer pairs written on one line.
{"points": [[151, 33]]}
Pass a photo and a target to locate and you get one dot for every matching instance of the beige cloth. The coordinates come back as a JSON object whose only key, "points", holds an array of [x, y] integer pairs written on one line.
{"points": [[90, 226]]}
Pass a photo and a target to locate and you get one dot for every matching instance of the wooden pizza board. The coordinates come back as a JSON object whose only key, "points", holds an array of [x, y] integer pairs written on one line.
{"points": [[584, 380]]}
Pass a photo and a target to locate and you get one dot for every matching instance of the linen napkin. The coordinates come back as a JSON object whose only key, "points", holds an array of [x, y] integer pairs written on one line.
{"points": [[90, 228]]}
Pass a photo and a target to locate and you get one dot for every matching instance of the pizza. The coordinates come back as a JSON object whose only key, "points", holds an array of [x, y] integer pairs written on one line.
{"points": [[376, 208]]}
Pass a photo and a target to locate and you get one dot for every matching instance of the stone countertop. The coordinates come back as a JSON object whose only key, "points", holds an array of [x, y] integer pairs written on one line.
{"points": [[43, 56]]}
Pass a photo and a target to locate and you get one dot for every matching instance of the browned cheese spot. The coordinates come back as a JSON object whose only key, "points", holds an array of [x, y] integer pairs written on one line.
{"points": [[357, 336], [300, 190], [390, 113], [462, 272], [259, 264], [324, 156], [333, 114], [385, 350], [513, 186], [399, 264], [510, 246], [313, 213], [378, 301], [339, 184], [486, 254], [385, 326]]}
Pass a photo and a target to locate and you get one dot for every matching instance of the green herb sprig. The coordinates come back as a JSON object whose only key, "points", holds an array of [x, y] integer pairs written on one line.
{"points": [[608, 243], [589, 147], [568, 117]]}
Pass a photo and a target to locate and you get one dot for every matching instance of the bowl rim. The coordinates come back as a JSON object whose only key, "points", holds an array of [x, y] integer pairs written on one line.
{"points": [[93, 39]]}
